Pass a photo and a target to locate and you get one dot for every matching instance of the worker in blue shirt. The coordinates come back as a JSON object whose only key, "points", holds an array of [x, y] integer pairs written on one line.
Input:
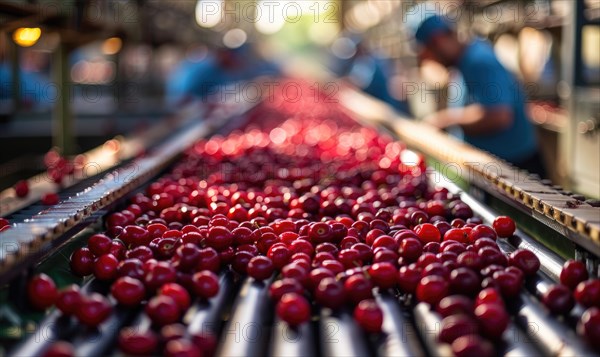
{"points": [[222, 68], [494, 117]]}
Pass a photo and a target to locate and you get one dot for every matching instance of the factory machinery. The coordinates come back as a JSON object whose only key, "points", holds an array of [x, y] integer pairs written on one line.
{"points": [[241, 319]]}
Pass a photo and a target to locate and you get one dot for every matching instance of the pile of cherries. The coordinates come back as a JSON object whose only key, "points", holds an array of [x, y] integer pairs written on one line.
{"points": [[329, 215]]}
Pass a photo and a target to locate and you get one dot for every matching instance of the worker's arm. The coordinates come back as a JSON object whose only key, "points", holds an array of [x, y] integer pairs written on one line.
{"points": [[474, 119]]}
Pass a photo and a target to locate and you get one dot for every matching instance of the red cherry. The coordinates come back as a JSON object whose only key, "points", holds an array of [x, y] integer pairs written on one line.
{"points": [[283, 286], [456, 326], [427, 232], [68, 299], [493, 320], [573, 273], [178, 293], [525, 260], [182, 348], [509, 284], [488, 296], [3, 223], [293, 309], [369, 316], [42, 291], [408, 278], [99, 244], [136, 236], [59, 349], [357, 288], [384, 275], [558, 299], [472, 345], [219, 238], [82, 262], [132, 268], [172, 332], [432, 289], [21, 188], [464, 281], [105, 267], [159, 274], [209, 260], [458, 235], [410, 249], [260, 268], [481, 231], [455, 304], [206, 284], [163, 310], [93, 310], [589, 326], [128, 291], [587, 293], [330, 293], [137, 343], [50, 199], [504, 226]]}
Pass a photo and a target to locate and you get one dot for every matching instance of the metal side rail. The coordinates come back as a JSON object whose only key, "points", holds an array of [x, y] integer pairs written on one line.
{"points": [[26, 242]]}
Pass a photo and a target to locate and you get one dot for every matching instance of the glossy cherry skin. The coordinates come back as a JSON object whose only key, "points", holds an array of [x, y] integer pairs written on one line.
{"points": [[493, 320], [182, 348], [432, 289], [283, 286], [159, 274], [178, 293], [93, 310], [589, 327], [504, 226], [162, 310], [68, 299], [472, 345], [464, 281], [82, 262], [206, 284], [369, 316], [525, 260], [573, 273], [41, 291], [357, 288], [137, 343], [587, 293], [384, 275], [558, 299], [427, 232], [128, 291], [455, 326], [330, 293], [99, 244], [455, 304], [105, 267], [408, 278], [293, 309], [260, 268]]}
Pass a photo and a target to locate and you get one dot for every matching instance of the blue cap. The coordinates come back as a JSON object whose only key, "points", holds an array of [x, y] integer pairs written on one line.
{"points": [[431, 26]]}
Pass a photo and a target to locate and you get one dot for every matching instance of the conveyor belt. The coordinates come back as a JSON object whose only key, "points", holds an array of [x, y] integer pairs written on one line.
{"points": [[244, 320], [34, 237], [575, 220]]}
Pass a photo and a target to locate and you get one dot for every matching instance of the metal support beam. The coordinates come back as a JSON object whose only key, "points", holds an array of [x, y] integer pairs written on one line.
{"points": [[61, 114]]}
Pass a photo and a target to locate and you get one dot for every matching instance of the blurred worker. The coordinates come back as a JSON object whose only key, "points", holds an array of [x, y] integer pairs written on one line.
{"points": [[494, 117], [364, 69], [225, 66]]}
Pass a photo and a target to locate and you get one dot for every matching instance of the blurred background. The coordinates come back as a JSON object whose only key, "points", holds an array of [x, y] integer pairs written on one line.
{"points": [[74, 74]]}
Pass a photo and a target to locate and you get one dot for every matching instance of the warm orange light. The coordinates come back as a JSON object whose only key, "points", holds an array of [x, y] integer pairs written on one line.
{"points": [[27, 36]]}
